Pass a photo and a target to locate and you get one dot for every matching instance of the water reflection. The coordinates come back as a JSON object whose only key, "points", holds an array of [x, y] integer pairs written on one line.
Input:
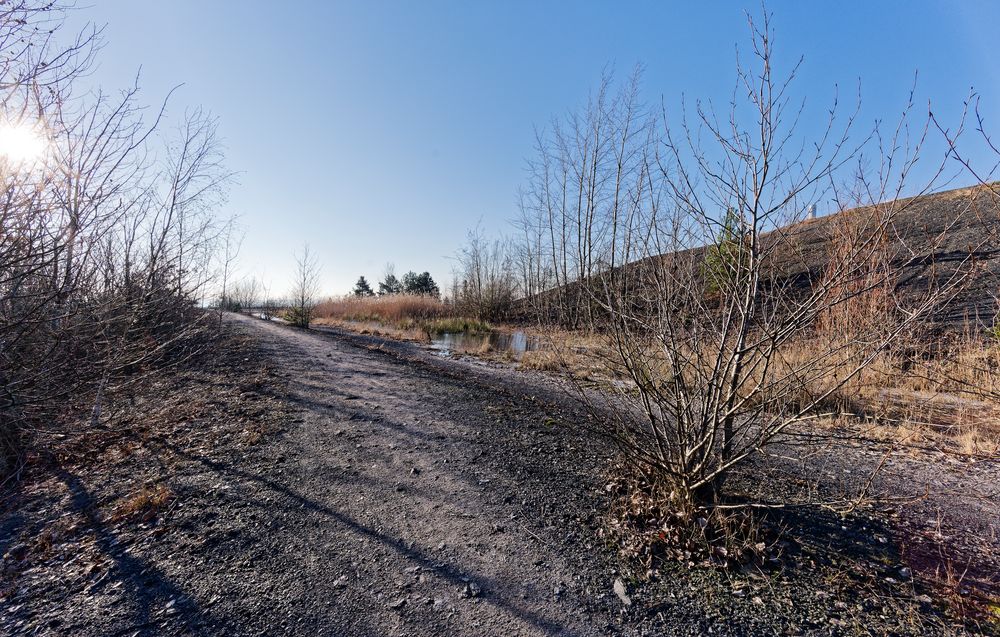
{"points": [[517, 343]]}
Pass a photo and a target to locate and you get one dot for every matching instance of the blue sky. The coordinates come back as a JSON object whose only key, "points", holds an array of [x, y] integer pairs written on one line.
{"points": [[381, 131]]}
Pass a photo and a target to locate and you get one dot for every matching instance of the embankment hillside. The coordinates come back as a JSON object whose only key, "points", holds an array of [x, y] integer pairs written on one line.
{"points": [[947, 240], [929, 239]]}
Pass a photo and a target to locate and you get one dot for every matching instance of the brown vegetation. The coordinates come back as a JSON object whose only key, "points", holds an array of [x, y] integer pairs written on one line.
{"points": [[105, 253], [143, 505], [542, 360], [949, 400], [394, 308]]}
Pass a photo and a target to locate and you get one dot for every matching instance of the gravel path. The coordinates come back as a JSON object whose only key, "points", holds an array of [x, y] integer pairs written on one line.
{"points": [[413, 495], [394, 507]]}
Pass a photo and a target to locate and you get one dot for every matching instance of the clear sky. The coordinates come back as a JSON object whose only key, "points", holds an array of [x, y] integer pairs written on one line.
{"points": [[381, 131]]}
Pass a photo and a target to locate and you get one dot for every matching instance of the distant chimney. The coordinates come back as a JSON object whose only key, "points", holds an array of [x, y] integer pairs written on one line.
{"points": [[811, 211]]}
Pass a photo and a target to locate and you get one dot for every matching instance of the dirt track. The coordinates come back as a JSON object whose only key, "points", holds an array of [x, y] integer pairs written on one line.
{"points": [[401, 499], [396, 499], [410, 495]]}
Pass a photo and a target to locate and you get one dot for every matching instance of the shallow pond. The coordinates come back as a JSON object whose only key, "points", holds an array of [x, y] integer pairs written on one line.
{"points": [[517, 343]]}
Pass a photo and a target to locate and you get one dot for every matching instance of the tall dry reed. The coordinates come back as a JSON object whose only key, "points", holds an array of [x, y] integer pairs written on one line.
{"points": [[394, 308]]}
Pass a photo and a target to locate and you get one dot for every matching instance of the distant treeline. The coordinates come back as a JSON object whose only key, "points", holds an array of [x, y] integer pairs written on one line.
{"points": [[411, 283]]}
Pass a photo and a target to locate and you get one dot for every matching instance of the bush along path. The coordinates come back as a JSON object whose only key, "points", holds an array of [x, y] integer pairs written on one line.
{"points": [[316, 482]]}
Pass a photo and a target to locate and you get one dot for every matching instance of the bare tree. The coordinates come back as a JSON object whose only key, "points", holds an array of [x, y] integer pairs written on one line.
{"points": [[723, 365], [305, 287], [968, 365], [576, 199], [390, 284], [232, 241], [268, 304], [485, 284]]}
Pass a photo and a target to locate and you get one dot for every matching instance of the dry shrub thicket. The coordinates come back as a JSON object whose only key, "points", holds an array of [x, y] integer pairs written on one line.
{"points": [[107, 237], [486, 286]]}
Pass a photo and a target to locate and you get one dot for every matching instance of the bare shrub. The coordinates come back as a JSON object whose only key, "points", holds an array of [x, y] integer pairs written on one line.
{"points": [[485, 284], [716, 358], [106, 248]]}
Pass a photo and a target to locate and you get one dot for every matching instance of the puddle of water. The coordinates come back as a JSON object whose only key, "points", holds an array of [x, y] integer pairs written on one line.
{"points": [[447, 343], [517, 343]]}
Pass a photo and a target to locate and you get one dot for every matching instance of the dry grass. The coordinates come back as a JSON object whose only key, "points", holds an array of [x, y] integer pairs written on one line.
{"points": [[393, 309], [542, 360], [143, 505], [951, 398], [375, 328], [582, 355], [405, 317]]}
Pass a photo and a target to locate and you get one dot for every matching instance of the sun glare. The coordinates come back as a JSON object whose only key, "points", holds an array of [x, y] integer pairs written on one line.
{"points": [[21, 142]]}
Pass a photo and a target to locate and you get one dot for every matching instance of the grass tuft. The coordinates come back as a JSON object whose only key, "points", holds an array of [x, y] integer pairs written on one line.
{"points": [[455, 325], [144, 504], [541, 360]]}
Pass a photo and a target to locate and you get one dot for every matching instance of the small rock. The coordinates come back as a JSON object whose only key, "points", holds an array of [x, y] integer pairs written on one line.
{"points": [[399, 603], [341, 582], [905, 573], [621, 592], [471, 590]]}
